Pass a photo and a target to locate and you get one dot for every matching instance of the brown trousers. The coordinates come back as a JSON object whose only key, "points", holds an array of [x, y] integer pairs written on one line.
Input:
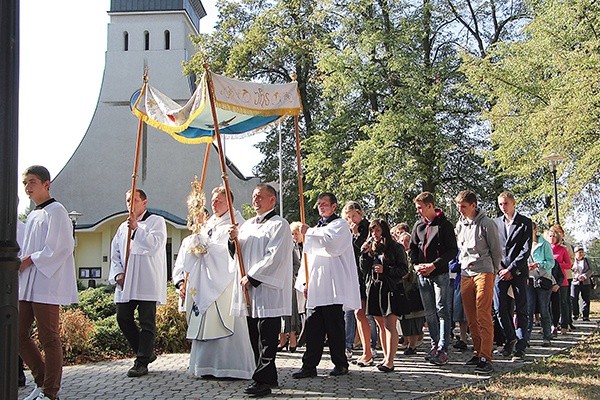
{"points": [[47, 372]]}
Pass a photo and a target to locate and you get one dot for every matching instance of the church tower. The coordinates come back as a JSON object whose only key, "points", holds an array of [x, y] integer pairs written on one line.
{"points": [[156, 34]]}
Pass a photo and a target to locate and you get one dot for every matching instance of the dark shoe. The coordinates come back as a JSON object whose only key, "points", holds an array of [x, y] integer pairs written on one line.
{"points": [[284, 346], [384, 368], [410, 351], [338, 371], [484, 366], [304, 373], [441, 358], [586, 319], [293, 349], [509, 347], [137, 370], [518, 355], [460, 345], [257, 389], [575, 317], [473, 361], [152, 358]]}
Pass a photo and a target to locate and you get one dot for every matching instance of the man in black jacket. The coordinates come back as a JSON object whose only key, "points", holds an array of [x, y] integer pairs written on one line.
{"points": [[432, 247], [516, 234]]}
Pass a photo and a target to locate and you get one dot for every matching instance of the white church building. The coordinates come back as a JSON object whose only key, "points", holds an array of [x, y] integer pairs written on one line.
{"points": [[156, 34]]}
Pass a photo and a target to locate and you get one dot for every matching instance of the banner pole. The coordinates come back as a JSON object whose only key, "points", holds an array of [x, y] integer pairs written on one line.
{"points": [[134, 175], [238, 252]]}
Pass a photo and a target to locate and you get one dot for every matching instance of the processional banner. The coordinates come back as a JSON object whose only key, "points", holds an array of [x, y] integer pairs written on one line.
{"points": [[242, 108]]}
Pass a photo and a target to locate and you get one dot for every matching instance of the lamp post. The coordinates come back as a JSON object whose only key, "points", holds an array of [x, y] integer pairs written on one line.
{"points": [[74, 215], [554, 159]]}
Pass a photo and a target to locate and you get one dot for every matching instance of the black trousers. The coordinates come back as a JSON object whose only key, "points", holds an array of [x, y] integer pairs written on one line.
{"points": [[140, 339], [264, 336], [325, 321]]}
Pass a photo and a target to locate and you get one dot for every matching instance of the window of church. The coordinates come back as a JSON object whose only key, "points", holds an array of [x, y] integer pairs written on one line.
{"points": [[146, 40], [125, 41], [167, 40]]}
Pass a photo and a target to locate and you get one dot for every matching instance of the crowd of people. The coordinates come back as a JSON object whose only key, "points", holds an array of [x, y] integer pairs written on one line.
{"points": [[253, 288]]}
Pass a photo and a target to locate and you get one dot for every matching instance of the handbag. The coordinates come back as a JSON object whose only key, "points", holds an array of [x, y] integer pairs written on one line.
{"points": [[543, 283]]}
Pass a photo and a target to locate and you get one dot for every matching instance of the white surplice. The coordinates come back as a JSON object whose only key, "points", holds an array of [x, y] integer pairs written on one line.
{"points": [[332, 277], [48, 239], [146, 277], [267, 256]]}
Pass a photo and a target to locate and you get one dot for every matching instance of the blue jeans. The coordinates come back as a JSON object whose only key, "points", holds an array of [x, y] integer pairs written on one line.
{"points": [[434, 292], [540, 297], [502, 302], [350, 326]]}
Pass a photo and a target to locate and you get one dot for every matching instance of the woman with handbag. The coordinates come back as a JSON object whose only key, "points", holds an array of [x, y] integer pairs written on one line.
{"points": [[539, 287], [384, 263]]}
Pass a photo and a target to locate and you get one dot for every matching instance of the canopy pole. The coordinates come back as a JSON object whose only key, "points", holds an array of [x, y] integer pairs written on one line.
{"points": [[238, 252], [134, 175], [300, 189], [280, 171]]}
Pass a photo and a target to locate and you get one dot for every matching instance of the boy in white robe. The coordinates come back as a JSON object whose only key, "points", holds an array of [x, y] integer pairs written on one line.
{"points": [[332, 287], [46, 281], [220, 342], [145, 283], [266, 245]]}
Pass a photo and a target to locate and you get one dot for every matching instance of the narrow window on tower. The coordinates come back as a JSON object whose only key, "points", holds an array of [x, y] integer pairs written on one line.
{"points": [[146, 40], [167, 40], [125, 41]]}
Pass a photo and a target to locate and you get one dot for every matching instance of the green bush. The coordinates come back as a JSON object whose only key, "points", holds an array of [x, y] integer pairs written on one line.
{"points": [[97, 303], [108, 341]]}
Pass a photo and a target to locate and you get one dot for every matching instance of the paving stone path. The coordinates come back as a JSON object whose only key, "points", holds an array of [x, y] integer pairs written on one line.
{"points": [[413, 377]]}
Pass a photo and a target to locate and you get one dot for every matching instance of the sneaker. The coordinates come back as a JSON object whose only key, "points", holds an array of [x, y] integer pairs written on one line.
{"points": [[554, 331], [519, 355], [137, 370], [432, 353], [460, 345], [440, 358], [348, 354], [484, 366], [35, 394], [546, 343], [473, 361], [509, 347]]}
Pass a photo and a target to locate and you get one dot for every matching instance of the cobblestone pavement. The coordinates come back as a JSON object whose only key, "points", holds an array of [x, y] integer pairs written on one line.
{"points": [[413, 376]]}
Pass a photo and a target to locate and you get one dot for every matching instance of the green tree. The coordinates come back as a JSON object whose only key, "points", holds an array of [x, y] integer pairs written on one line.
{"points": [[543, 96]]}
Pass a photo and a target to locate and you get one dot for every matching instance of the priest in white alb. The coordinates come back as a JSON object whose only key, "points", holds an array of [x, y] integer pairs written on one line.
{"points": [[220, 342]]}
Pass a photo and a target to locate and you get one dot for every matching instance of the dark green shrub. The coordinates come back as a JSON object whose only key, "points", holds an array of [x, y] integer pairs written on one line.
{"points": [[107, 340], [97, 303]]}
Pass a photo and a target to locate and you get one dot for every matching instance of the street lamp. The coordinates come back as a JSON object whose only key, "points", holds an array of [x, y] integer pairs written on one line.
{"points": [[73, 215], [554, 159]]}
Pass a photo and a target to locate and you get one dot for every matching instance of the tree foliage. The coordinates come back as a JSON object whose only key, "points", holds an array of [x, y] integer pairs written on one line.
{"points": [[543, 95]]}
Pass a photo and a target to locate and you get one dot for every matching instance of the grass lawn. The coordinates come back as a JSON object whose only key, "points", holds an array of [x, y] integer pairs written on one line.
{"points": [[574, 374]]}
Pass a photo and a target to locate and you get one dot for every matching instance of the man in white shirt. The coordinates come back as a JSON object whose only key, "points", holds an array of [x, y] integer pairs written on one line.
{"points": [[266, 246], [332, 287], [144, 285], [46, 281]]}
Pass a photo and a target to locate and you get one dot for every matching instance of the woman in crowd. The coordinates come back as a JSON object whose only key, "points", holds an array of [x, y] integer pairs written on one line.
{"points": [[582, 284], [539, 288], [353, 214], [291, 324], [413, 320], [561, 254], [384, 263]]}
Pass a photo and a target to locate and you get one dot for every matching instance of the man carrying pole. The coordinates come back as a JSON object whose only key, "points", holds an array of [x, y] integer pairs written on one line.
{"points": [[145, 283], [266, 245]]}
